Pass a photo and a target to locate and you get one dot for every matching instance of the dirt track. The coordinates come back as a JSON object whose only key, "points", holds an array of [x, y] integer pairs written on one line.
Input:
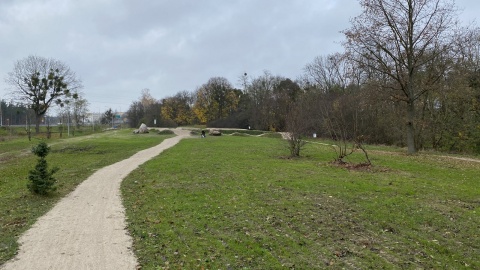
{"points": [[86, 229]]}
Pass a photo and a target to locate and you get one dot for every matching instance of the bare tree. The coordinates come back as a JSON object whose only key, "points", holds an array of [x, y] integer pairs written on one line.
{"points": [[243, 80], [260, 94], [136, 114], [146, 98], [397, 40], [151, 108], [41, 82], [328, 72]]}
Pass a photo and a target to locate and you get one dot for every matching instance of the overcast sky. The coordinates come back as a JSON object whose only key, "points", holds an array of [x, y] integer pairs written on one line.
{"points": [[119, 47]]}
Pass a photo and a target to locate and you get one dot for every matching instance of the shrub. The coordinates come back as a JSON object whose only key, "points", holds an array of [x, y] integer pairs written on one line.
{"points": [[272, 135], [246, 131], [41, 179], [239, 134], [166, 132]]}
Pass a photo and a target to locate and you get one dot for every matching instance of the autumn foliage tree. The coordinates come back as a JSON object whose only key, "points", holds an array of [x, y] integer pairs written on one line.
{"points": [[179, 108], [215, 100]]}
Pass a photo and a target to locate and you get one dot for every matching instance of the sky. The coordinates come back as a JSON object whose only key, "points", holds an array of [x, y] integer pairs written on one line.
{"points": [[119, 47]]}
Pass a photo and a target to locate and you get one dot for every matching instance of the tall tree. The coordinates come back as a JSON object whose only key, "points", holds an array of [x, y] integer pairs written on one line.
{"points": [[284, 96], [135, 114], [260, 95], [41, 82], [76, 105], [151, 107], [146, 98], [107, 117], [398, 39], [215, 99], [179, 108], [327, 72], [332, 72]]}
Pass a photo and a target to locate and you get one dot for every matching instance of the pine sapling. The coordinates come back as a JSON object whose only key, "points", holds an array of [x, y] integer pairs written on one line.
{"points": [[41, 179]]}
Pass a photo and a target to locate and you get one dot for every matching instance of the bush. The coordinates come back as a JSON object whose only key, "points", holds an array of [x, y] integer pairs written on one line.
{"points": [[166, 132], [41, 179], [245, 131], [239, 134], [272, 135]]}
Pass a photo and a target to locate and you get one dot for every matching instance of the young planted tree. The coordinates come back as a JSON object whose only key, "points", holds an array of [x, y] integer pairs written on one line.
{"points": [[300, 121], [396, 40], [296, 126], [40, 82], [41, 178]]}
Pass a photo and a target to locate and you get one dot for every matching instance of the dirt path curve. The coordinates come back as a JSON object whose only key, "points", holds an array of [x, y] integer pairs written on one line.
{"points": [[86, 229]]}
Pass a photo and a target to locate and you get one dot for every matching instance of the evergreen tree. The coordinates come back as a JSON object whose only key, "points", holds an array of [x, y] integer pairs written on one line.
{"points": [[41, 179]]}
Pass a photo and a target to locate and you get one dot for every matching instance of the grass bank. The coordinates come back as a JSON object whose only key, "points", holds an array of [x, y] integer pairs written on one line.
{"points": [[77, 158], [236, 202]]}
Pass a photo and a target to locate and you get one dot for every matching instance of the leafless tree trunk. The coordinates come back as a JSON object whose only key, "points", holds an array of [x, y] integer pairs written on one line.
{"points": [[397, 40]]}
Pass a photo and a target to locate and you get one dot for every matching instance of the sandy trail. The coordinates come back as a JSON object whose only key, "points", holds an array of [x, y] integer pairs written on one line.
{"points": [[87, 229]]}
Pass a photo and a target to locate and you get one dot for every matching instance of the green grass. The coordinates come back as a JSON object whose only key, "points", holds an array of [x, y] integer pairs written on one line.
{"points": [[235, 202], [238, 202], [77, 158]]}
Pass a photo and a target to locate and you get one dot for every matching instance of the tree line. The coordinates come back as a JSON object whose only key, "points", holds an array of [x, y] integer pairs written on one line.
{"points": [[409, 76]]}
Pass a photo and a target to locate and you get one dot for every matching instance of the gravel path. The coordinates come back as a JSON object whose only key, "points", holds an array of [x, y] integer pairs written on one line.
{"points": [[87, 229]]}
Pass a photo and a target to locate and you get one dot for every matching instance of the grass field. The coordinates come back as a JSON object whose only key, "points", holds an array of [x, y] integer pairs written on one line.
{"points": [[77, 158], [237, 202]]}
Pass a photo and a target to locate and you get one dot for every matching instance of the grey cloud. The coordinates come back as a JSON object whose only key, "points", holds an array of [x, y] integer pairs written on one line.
{"points": [[119, 47]]}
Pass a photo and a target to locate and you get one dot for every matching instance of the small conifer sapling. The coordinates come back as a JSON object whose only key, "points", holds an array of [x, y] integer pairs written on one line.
{"points": [[41, 179]]}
